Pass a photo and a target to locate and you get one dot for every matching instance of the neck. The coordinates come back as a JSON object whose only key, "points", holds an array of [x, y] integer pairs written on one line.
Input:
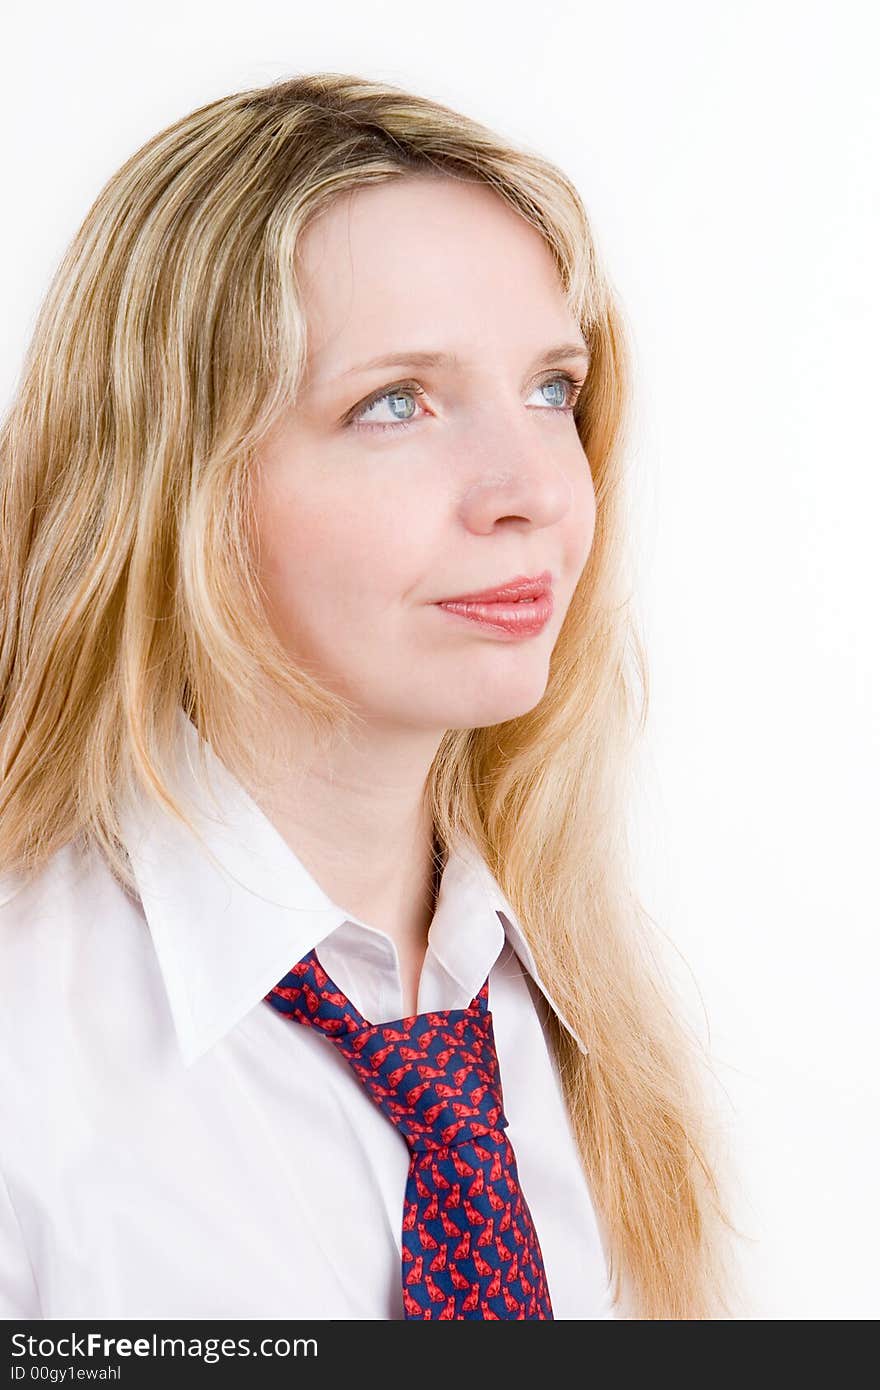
{"points": [[357, 819]]}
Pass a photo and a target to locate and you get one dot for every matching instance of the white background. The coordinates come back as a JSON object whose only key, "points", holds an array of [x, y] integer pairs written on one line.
{"points": [[728, 156]]}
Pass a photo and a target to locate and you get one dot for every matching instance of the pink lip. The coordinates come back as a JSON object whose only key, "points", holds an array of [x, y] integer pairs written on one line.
{"points": [[519, 618], [521, 586]]}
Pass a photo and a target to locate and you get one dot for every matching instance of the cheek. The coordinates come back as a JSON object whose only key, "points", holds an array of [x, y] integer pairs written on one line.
{"points": [[590, 517], [329, 554], [286, 545], [581, 525]]}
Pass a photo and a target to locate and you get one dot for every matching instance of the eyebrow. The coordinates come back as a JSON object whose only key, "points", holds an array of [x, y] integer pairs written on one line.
{"points": [[415, 358]]}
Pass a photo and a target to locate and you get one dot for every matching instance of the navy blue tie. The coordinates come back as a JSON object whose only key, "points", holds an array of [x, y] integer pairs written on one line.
{"points": [[470, 1249]]}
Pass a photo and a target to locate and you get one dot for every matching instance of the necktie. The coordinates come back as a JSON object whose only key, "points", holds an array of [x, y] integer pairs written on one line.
{"points": [[469, 1247]]}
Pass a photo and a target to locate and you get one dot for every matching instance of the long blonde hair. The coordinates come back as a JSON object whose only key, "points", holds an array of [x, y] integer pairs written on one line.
{"points": [[170, 339]]}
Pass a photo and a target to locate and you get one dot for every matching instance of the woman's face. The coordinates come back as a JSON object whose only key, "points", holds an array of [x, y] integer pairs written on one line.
{"points": [[481, 478]]}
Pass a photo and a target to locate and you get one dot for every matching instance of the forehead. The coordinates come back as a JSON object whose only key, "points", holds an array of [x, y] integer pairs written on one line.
{"points": [[426, 257]]}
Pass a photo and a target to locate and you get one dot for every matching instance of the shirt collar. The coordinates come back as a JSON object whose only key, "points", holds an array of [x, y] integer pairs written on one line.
{"points": [[229, 913]]}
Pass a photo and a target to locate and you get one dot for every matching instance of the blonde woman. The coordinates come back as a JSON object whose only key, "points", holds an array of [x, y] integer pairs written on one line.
{"points": [[316, 692]]}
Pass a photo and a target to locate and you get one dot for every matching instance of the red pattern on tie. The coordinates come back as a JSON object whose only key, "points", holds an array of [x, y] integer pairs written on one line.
{"points": [[469, 1245]]}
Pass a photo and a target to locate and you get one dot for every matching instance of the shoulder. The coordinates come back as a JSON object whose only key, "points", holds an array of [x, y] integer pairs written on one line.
{"points": [[41, 914], [65, 935], [38, 908]]}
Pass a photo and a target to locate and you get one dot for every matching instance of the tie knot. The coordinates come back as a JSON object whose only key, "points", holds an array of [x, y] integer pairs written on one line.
{"points": [[435, 1074]]}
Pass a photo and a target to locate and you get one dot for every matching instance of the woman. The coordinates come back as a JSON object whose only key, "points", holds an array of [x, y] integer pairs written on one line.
{"points": [[325, 361]]}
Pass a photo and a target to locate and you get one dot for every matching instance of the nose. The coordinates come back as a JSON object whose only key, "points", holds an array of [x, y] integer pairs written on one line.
{"points": [[518, 476]]}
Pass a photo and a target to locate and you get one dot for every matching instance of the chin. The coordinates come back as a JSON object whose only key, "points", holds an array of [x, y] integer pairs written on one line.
{"points": [[487, 712]]}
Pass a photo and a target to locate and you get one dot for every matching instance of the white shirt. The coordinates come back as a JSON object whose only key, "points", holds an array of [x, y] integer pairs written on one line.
{"points": [[173, 1147]]}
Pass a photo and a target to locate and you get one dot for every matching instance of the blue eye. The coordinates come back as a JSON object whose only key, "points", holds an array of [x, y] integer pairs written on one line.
{"points": [[394, 395], [567, 390]]}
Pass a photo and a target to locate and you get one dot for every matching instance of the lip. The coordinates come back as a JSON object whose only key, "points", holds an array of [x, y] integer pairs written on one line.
{"points": [[520, 618], [520, 587]]}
